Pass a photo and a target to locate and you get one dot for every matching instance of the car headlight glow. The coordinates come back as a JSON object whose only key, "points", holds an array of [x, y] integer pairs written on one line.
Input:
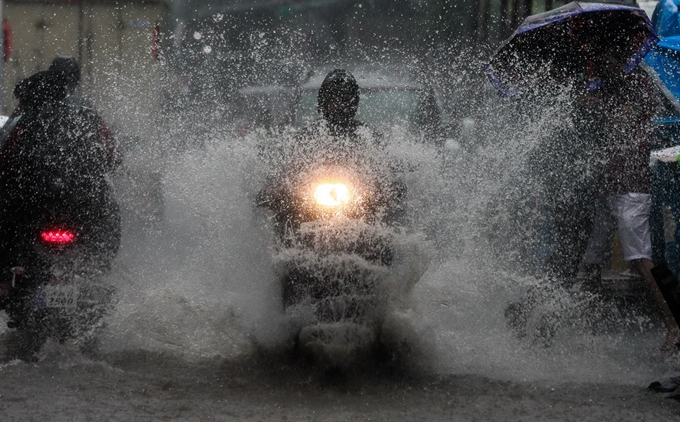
{"points": [[332, 194]]}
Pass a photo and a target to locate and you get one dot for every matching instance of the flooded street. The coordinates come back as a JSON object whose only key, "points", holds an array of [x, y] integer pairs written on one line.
{"points": [[368, 278], [139, 386], [198, 332]]}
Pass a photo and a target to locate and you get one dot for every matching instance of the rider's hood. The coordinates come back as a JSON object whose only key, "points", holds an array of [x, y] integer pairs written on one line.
{"points": [[40, 88]]}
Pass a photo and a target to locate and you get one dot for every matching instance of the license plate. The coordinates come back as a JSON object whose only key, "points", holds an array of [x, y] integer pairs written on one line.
{"points": [[332, 224], [57, 297]]}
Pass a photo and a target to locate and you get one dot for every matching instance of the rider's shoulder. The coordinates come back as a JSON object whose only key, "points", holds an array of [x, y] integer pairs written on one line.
{"points": [[313, 129], [370, 134]]}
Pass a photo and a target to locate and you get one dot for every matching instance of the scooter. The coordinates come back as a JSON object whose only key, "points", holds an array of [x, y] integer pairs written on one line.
{"points": [[335, 229], [59, 234]]}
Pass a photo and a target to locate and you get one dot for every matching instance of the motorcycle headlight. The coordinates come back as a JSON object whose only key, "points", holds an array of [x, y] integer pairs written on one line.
{"points": [[332, 195]]}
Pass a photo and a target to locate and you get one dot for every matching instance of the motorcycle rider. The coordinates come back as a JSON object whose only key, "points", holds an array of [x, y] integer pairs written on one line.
{"points": [[336, 145], [336, 137], [51, 138]]}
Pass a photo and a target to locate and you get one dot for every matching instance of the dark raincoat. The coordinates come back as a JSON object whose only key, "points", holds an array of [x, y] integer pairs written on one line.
{"points": [[352, 146], [54, 160]]}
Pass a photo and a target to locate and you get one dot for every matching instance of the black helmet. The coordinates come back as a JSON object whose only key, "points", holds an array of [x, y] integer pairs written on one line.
{"points": [[68, 69], [339, 97]]}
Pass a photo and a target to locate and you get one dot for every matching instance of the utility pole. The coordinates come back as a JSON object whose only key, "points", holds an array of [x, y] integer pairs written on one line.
{"points": [[521, 9], [504, 18], [2, 46], [483, 20]]}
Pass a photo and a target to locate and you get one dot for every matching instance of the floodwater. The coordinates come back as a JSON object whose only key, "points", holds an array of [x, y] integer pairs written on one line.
{"points": [[198, 332]]}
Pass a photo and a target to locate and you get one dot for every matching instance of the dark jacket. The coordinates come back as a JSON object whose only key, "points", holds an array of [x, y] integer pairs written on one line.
{"points": [[53, 139], [630, 129], [354, 146]]}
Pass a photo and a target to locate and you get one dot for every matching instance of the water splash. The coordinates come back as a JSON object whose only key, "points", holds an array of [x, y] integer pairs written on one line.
{"points": [[198, 281]]}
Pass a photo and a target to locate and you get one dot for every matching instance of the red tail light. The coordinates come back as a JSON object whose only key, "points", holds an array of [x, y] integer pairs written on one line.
{"points": [[58, 236]]}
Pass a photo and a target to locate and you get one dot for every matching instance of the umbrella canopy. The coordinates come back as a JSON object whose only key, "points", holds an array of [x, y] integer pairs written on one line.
{"points": [[577, 40]]}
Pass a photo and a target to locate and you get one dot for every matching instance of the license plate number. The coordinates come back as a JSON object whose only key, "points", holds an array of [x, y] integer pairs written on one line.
{"points": [[339, 224], [57, 297]]}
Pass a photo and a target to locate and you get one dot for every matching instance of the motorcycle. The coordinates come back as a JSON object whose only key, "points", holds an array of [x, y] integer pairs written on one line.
{"points": [[60, 231], [336, 227]]}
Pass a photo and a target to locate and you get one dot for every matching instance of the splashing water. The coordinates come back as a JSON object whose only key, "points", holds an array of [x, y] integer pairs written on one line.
{"points": [[201, 281]]}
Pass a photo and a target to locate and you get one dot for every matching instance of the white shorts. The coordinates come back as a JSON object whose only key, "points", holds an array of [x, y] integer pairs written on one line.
{"points": [[630, 211]]}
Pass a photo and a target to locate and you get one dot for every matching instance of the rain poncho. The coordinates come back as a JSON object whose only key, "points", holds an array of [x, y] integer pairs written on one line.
{"points": [[666, 18]]}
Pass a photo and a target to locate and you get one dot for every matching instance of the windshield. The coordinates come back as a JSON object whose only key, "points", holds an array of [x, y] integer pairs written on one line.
{"points": [[377, 107]]}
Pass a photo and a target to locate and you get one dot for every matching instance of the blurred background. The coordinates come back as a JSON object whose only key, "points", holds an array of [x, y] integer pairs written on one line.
{"points": [[142, 58]]}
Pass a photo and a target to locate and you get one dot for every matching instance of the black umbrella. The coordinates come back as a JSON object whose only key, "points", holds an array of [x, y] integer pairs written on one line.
{"points": [[577, 40]]}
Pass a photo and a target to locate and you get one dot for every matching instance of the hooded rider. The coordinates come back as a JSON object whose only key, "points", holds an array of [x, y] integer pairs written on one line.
{"points": [[336, 137], [337, 104], [53, 136], [55, 89]]}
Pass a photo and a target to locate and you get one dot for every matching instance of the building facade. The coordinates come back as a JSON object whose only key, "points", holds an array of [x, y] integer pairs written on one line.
{"points": [[117, 44]]}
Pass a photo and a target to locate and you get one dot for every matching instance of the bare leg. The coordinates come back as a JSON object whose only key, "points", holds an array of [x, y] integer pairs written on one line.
{"points": [[673, 331]]}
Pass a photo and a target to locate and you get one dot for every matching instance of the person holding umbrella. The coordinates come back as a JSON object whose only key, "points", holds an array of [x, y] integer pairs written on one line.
{"points": [[626, 184], [593, 50]]}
